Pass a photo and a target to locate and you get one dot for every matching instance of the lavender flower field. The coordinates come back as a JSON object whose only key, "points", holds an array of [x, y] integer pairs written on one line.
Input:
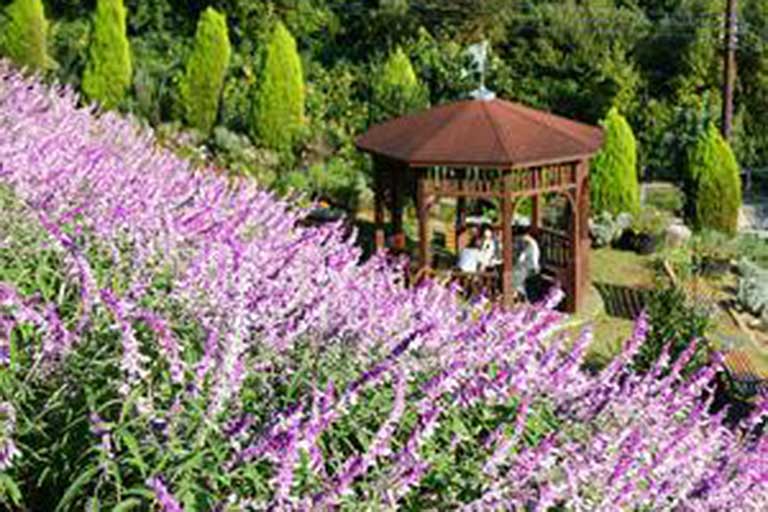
{"points": [[171, 339]]}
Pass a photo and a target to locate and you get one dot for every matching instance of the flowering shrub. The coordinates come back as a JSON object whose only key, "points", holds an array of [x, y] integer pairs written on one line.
{"points": [[170, 336]]}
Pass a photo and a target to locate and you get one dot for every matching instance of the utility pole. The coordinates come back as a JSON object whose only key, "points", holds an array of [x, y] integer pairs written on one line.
{"points": [[729, 69]]}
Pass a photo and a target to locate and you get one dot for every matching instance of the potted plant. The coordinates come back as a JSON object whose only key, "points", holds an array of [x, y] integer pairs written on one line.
{"points": [[648, 229], [622, 236]]}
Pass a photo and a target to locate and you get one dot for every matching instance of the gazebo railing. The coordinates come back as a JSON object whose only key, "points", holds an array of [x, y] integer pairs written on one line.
{"points": [[450, 182], [487, 283], [555, 248], [472, 284]]}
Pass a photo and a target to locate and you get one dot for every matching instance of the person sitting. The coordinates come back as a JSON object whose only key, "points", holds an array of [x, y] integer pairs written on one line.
{"points": [[527, 261], [489, 249], [470, 257]]}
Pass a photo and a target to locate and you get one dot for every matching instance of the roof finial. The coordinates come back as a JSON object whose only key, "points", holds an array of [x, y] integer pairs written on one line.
{"points": [[479, 54]]}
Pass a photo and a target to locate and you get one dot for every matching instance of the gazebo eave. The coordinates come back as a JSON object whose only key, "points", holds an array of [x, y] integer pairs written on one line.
{"points": [[423, 164]]}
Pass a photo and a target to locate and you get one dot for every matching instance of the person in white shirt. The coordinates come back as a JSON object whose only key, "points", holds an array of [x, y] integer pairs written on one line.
{"points": [[527, 261], [489, 249], [470, 257]]}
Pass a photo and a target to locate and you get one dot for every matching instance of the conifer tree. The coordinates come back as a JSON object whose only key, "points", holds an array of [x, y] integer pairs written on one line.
{"points": [[714, 184], [206, 68], [109, 70], [23, 34], [397, 90], [278, 112], [613, 182]]}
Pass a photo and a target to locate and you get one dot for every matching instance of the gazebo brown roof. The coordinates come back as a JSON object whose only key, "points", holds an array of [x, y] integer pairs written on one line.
{"points": [[482, 133], [494, 150]]}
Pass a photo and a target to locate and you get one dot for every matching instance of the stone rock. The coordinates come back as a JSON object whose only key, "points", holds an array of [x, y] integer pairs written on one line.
{"points": [[677, 235]]}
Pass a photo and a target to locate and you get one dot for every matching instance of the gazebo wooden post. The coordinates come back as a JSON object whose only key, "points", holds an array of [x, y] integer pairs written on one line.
{"points": [[575, 278], [378, 204], [584, 212], [461, 221], [398, 176], [422, 205], [508, 292], [536, 204]]}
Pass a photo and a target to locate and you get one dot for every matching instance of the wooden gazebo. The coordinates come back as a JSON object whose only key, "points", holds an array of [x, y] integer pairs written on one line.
{"points": [[494, 150]]}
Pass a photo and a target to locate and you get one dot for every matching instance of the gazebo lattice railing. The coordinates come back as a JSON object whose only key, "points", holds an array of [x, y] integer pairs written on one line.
{"points": [[495, 151]]}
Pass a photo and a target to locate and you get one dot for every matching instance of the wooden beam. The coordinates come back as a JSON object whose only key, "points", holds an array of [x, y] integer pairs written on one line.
{"points": [[461, 221], [378, 205], [536, 207], [396, 189], [515, 194], [585, 211], [422, 205], [507, 210], [575, 278]]}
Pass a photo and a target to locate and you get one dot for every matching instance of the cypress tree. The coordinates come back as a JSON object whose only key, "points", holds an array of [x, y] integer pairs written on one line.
{"points": [[279, 107], [714, 184], [109, 70], [397, 90], [613, 182], [206, 68], [23, 35]]}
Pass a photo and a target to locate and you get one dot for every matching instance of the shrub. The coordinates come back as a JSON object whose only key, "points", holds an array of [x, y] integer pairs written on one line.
{"points": [[754, 248], [396, 88], [665, 197], [604, 229], [24, 33], [752, 293], [206, 68], [68, 41], [651, 221], [713, 183], [278, 115], [337, 180], [714, 246], [613, 182], [675, 319], [109, 70], [238, 155]]}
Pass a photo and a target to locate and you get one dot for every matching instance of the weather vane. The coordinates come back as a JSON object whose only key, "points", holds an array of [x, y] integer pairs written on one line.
{"points": [[479, 54]]}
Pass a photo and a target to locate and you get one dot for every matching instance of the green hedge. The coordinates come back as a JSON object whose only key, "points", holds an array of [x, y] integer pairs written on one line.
{"points": [[206, 68], [23, 34], [278, 111], [613, 182], [713, 183], [109, 69]]}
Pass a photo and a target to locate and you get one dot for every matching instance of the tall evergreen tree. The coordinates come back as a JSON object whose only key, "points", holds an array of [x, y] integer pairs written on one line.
{"points": [[23, 34], [613, 182], [714, 184], [206, 69], [109, 69], [396, 88], [279, 107]]}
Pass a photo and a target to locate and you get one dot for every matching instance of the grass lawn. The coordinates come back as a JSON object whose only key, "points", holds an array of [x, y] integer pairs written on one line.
{"points": [[623, 268]]}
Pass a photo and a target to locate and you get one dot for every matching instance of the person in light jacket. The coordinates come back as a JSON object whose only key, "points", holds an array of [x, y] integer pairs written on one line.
{"points": [[527, 261]]}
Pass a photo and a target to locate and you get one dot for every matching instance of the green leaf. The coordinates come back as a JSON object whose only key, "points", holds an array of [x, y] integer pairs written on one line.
{"points": [[128, 504], [76, 487], [10, 489], [133, 447]]}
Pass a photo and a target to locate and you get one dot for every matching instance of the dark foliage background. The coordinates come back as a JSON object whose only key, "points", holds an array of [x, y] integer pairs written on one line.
{"points": [[658, 62]]}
